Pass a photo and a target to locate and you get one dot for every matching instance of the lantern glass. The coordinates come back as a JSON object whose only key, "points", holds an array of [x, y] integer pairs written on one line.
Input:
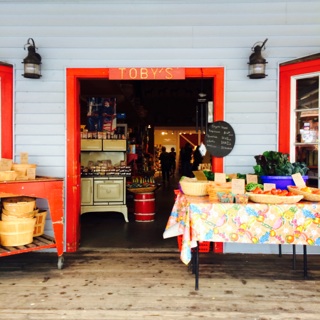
{"points": [[257, 68], [32, 70]]}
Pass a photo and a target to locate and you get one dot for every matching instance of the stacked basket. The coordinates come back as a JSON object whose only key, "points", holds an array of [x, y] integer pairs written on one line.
{"points": [[18, 221]]}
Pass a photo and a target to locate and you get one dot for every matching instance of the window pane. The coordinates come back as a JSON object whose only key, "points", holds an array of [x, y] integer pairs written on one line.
{"points": [[307, 115]]}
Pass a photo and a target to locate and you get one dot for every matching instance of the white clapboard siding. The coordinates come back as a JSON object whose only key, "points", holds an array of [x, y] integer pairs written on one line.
{"points": [[152, 33]]}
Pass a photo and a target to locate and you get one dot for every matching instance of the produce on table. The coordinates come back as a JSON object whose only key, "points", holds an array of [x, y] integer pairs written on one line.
{"points": [[273, 163], [274, 192], [307, 189], [251, 186]]}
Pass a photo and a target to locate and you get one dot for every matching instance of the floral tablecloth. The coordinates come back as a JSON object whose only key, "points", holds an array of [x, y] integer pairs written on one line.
{"points": [[198, 219]]}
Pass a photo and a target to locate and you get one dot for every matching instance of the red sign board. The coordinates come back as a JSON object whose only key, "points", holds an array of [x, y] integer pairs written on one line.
{"points": [[146, 73]]}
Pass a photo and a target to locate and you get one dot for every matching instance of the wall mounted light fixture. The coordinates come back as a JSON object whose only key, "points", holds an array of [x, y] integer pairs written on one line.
{"points": [[257, 64], [32, 62]]}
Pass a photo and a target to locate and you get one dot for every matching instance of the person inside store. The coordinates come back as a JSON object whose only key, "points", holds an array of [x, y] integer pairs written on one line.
{"points": [[173, 155], [99, 114], [165, 161], [186, 156], [197, 159]]}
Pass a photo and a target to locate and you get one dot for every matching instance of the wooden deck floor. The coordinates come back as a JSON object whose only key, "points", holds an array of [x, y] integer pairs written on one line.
{"points": [[157, 285]]}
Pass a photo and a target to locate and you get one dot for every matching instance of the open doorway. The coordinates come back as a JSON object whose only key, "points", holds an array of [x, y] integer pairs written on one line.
{"points": [[74, 78]]}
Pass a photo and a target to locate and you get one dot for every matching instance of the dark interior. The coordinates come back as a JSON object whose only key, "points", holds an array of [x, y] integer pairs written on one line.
{"points": [[160, 103]]}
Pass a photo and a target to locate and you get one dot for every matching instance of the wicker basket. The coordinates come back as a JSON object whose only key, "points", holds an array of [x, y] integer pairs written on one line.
{"points": [[194, 187], [22, 169], [40, 223], [8, 175], [19, 204], [274, 199], [17, 233], [142, 190], [215, 187], [5, 164], [306, 195], [11, 216]]}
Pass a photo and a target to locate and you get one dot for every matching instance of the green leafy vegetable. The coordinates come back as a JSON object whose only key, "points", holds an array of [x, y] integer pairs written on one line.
{"points": [[273, 163], [251, 186]]}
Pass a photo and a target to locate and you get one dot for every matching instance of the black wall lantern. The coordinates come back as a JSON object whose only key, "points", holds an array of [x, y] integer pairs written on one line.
{"points": [[32, 62], [257, 64]]}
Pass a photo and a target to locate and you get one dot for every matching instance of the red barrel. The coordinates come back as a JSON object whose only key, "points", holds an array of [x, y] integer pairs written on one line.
{"points": [[144, 207]]}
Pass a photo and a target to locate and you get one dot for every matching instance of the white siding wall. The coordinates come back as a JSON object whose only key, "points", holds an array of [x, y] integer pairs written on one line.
{"points": [[152, 33]]}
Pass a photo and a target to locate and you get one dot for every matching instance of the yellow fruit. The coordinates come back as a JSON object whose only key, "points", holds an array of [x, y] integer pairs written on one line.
{"points": [[234, 236], [316, 220], [272, 233], [306, 189], [289, 238], [310, 241], [254, 240], [260, 218], [243, 226]]}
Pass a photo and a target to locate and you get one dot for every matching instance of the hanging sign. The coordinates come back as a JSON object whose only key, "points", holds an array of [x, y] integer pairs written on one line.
{"points": [[220, 139], [147, 73]]}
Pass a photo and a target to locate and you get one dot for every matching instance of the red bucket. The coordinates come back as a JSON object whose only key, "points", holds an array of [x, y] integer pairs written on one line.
{"points": [[144, 207]]}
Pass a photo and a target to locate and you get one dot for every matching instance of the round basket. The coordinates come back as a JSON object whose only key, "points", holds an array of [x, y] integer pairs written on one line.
{"points": [[8, 175], [194, 188], [274, 199], [22, 169], [142, 190], [306, 195], [9, 215], [16, 233], [19, 204]]}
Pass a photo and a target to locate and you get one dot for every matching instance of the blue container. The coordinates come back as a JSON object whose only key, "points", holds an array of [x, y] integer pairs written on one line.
{"points": [[281, 182]]}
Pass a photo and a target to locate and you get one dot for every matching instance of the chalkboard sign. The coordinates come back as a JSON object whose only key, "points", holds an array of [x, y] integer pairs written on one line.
{"points": [[220, 139]]}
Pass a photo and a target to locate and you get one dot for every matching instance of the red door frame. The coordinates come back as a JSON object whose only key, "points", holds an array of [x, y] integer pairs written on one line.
{"points": [[287, 71], [6, 94], [73, 76]]}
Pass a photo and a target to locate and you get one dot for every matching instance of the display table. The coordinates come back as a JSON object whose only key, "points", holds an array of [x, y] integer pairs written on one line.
{"points": [[47, 188], [198, 219]]}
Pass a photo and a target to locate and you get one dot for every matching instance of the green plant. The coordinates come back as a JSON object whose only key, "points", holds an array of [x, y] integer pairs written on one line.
{"points": [[273, 163]]}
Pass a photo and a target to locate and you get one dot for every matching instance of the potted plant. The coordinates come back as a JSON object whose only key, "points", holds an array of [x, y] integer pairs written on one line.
{"points": [[275, 167]]}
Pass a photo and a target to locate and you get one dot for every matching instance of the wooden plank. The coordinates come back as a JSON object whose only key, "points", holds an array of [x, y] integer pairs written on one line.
{"points": [[147, 285]]}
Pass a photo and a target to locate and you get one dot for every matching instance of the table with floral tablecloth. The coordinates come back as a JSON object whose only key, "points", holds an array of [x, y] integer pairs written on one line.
{"points": [[198, 219]]}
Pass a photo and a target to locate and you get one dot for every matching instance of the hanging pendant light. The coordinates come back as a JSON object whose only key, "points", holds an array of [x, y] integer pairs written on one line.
{"points": [[257, 64], [32, 62]]}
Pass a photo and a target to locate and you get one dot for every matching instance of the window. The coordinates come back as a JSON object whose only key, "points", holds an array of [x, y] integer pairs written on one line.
{"points": [[306, 118]]}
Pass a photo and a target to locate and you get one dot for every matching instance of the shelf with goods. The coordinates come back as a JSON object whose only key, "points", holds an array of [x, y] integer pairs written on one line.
{"points": [[157, 165], [103, 175], [41, 188]]}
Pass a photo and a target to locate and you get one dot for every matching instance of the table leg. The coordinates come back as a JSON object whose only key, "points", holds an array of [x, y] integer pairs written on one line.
{"points": [[305, 262], [196, 266], [294, 257]]}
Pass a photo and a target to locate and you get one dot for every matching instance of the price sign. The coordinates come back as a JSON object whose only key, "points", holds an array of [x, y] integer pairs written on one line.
{"points": [[220, 139]]}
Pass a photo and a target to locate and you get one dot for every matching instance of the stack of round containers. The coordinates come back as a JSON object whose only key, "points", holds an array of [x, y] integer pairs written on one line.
{"points": [[17, 221]]}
